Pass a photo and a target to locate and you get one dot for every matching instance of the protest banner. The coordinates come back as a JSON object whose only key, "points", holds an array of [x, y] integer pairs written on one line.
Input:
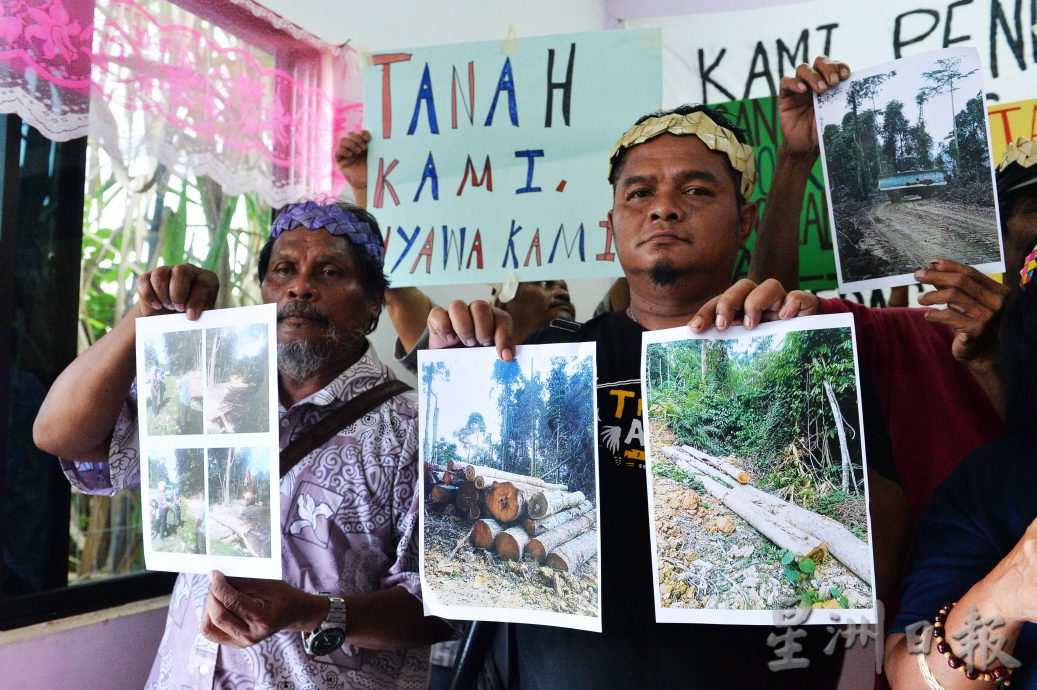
{"points": [[759, 118], [1009, 121], [741, 54], [492, 157]]}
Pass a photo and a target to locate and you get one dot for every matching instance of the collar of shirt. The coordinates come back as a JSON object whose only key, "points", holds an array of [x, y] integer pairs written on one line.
{"points": [[365, 373]]}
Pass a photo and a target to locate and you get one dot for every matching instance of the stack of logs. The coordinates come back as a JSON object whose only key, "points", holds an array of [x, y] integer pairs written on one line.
{"points": [[516, 515]]}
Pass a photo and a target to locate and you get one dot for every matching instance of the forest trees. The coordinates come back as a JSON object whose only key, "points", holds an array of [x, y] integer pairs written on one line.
{"points": [[875, 138], [546, 421], [759, 399]]}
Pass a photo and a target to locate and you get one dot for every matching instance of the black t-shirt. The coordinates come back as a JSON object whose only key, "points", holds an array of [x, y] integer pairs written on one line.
{"points": [[633, 650]]}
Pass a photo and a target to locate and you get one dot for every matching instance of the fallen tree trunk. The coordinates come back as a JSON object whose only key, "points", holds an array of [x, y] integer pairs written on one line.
{"points": [[501, 475], [535, 528], [506, 502], [838, 541], [544, 503], [784, 535], [843, 544], [736, 473], [484, 533], [467, 470], [511, 543], [572, 554], [486, 482], [442, 493], [539, 547], [474, 513]]}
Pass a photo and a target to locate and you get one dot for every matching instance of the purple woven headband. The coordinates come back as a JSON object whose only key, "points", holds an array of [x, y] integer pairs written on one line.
{"points": [[333, 219]]}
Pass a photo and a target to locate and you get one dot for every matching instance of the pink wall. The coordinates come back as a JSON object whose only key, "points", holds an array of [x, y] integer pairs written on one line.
{"points": [[109, 655]]}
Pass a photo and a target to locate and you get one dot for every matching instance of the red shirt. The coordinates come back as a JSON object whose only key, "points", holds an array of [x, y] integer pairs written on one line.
{"points": [[937, 410]]}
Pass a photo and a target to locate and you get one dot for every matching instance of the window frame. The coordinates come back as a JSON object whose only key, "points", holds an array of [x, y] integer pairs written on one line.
{"points": [[68, 172]]}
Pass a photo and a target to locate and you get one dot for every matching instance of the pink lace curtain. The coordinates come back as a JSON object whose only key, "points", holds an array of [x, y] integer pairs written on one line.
{"points": [[222, 88], [45, 64]]}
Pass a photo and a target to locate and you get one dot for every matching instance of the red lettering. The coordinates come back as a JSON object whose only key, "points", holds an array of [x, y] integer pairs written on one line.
{"points": [[608, 254], [383, 182], [535, 244], [386, 60], [476, 249], [426, 251], [469, 169]]}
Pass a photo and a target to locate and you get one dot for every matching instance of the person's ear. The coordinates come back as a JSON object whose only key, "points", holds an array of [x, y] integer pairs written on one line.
{"points": [[747, 219]]}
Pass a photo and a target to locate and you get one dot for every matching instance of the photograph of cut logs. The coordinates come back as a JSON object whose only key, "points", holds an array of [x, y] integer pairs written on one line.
{"points": [[758, 491], [509, 519]]}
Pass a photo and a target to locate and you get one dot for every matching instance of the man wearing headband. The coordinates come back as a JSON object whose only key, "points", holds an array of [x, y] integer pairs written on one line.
{"points": [[348, 612], [681, 180]]}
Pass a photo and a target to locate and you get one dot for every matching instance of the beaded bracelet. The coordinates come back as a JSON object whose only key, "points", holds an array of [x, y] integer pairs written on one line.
{"points": [[999, 674]]}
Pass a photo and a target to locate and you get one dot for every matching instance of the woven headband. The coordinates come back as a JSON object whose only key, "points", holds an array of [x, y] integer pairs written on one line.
{"points": [[711, 134], [333, 219], [1018, 167]]}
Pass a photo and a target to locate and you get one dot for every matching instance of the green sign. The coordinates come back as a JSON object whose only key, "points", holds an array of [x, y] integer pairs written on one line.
{"points": [[759, 118]]}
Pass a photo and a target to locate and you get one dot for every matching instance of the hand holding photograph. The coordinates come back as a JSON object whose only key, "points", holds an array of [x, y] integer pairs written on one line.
{"points": [[906, 154], [508, 508], [758, 488], [207, 401]]}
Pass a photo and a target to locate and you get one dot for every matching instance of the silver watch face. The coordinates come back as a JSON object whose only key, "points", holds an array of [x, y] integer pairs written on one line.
{"points": [[326, 641]]}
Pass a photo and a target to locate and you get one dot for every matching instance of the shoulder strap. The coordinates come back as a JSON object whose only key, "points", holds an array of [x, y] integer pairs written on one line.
{"points": [[323, 430]]}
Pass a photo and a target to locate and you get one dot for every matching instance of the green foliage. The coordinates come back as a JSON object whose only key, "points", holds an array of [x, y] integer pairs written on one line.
{"points": [[796, 570], [754, 402], [670, 471]]}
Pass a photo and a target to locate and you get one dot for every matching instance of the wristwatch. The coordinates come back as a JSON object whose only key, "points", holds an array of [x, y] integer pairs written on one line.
{"points": [[332, 632]]}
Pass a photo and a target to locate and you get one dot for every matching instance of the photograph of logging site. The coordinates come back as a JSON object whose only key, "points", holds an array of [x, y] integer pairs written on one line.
{"points": [[239, 517], [758, 495], [509, 519], [175, 501], [170, 389], [237, 394], [908, 172]]}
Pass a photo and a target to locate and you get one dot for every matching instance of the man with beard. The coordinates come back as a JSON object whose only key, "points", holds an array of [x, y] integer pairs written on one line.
{"points": [[349, 507], [681, 180]]}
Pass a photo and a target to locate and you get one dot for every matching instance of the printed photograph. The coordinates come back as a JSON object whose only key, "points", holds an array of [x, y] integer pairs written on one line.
{"points": [[175, 500], [237, 380], [238, 521], [757, 472], [172, 383], [907, 165], [510, 525]]}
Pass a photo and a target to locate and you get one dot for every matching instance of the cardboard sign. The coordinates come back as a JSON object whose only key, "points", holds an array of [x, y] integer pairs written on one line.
{"points": [[492, 157]]}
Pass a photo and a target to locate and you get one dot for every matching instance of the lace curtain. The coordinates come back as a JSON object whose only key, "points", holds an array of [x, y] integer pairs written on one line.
{"points": [[45, 64], [220, 88]]}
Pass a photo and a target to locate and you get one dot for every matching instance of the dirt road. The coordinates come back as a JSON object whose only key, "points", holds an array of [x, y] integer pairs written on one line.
{"points": [[886, 239]]}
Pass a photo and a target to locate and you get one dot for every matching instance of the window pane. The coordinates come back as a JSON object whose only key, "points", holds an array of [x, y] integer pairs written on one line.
{"points": [[135, 220]]}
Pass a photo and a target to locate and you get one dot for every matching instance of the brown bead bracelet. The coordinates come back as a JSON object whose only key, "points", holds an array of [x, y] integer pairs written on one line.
{"points": [[999, 674]]}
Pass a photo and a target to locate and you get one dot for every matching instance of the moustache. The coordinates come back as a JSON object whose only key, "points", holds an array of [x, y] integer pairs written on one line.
{"points": [[304, 310]]}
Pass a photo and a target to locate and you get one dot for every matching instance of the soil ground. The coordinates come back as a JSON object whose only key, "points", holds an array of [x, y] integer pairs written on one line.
{"points": [[473, 577], [710, 558], [882, 238]]}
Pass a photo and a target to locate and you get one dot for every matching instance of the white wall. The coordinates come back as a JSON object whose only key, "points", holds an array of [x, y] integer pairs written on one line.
{"points": [[389, 24]]}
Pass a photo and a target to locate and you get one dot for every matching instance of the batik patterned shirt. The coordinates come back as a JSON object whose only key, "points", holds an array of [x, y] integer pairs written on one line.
{"points": [[349, 526]]}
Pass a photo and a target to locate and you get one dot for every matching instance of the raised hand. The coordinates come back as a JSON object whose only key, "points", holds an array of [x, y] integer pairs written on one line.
{"points": [[796, 103], [471, 325], [181, 288]]}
